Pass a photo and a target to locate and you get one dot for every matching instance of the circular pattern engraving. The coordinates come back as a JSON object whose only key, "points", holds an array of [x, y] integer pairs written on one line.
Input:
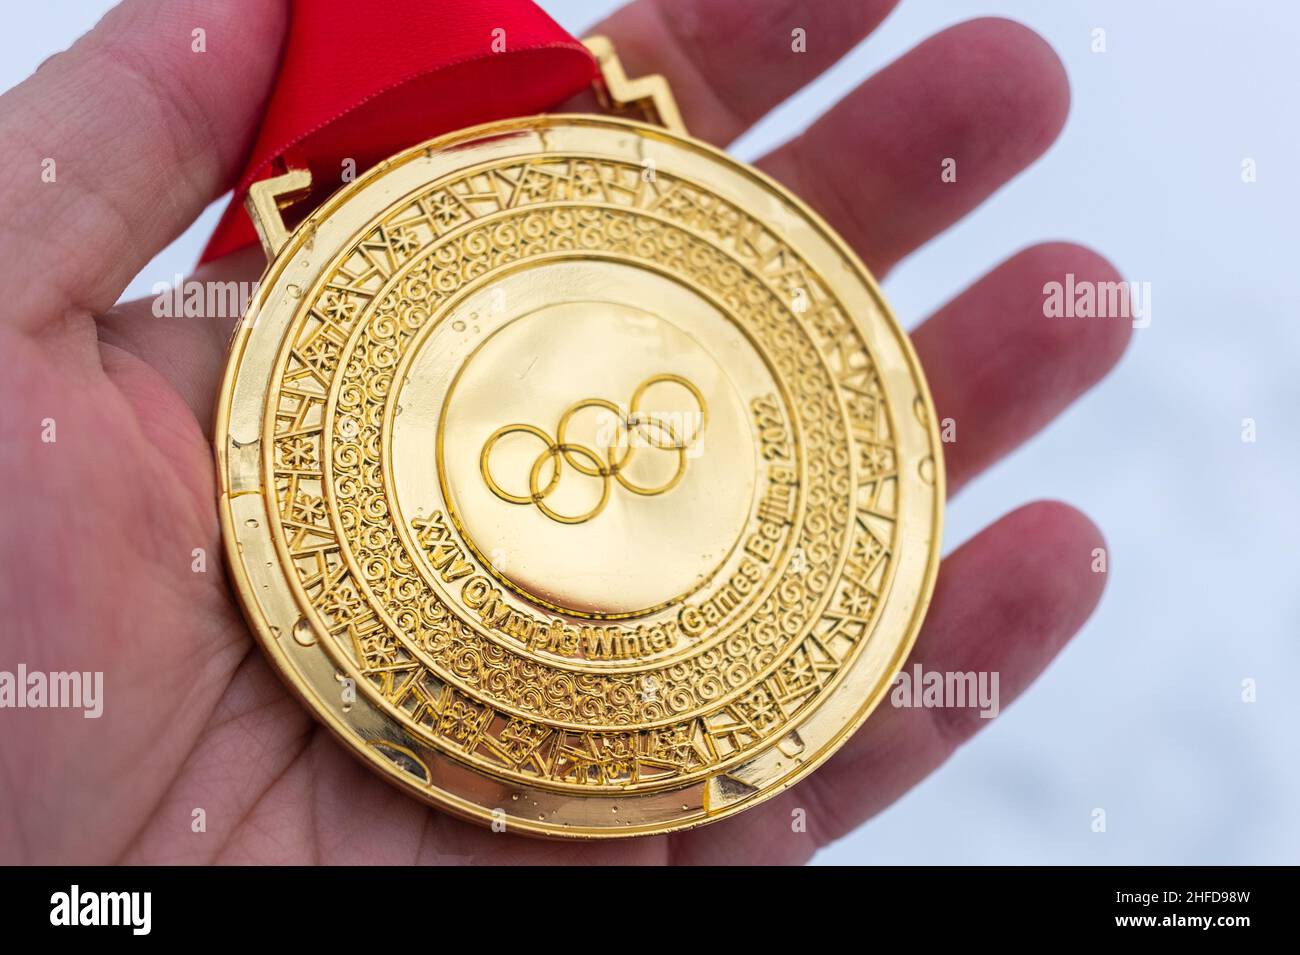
{"points": [[583, 478], [613, 485]]}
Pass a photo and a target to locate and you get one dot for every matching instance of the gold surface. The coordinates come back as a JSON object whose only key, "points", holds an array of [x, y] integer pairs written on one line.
{"points": [[594, 462], [267, 198], [648, 97], [531, 406]]}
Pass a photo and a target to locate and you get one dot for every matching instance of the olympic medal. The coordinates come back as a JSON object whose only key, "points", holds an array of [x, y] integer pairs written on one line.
{"points": [[578, 478]]}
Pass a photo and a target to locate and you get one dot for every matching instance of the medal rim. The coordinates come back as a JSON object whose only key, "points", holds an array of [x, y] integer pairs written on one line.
{"points": [[339, 725]]}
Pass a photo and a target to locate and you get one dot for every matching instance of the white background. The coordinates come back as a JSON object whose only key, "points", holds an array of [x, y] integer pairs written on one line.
{"points": [[1142, 716]]}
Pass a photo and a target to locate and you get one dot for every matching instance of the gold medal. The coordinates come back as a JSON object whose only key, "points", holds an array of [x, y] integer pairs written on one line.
{"points": [[577, 475]]}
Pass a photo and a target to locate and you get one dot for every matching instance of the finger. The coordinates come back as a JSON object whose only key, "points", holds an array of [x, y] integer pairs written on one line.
{"points": [[1006, 602], [188, 351], [999, 369], [730, 61], [137, 129], [988, 94]]}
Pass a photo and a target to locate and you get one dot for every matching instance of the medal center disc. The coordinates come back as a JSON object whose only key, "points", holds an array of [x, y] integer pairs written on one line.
{"points": [[597, 458]]}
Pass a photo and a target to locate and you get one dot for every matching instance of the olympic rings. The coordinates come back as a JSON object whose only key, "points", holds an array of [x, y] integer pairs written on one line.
{"points": [[655, 431]]}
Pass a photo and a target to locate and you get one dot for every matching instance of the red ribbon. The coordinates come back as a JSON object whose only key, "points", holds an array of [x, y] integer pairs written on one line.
{"points": [[362, 80]]}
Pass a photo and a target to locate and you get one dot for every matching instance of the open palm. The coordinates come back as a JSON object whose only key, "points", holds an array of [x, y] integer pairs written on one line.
{"points": [[99, 527]]}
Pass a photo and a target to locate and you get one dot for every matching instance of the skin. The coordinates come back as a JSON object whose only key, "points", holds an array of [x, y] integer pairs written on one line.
{"points": [[98, 528]]}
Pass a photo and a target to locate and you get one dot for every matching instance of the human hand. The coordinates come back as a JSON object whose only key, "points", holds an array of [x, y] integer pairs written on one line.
{"points": [[101, 526]]}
